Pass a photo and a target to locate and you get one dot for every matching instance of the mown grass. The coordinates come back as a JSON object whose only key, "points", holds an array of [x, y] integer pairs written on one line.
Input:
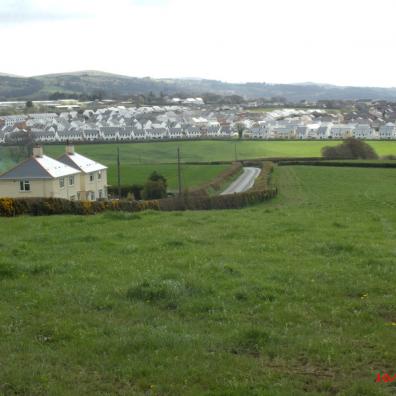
{"points": [[294, 296]]}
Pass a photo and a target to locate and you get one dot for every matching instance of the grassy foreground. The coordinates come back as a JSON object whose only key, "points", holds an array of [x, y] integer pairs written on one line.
{"points": [[292, 297]]}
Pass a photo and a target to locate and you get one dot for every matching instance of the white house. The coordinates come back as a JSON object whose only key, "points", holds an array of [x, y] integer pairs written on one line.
{"points": [[387, 131], [259, 132], [12, 119], [362, 132], [341, 131], [109, 133], [302, 132], [175, 133], [91, 134], [93, 179], [40, 176]]}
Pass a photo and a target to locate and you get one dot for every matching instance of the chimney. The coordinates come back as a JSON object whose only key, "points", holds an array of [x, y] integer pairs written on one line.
{"points": [[70, 149], [38, 151]]}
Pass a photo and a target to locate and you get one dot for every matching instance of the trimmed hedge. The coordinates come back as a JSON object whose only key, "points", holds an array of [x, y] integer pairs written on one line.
{"points": [[230, 201], [348, 164], [10, 207], [262, 181]]}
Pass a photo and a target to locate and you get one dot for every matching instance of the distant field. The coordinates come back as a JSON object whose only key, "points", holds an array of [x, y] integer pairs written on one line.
{"points": [[5, 161], [192, 175], [211, 150], [294, 296], [140, 159]]}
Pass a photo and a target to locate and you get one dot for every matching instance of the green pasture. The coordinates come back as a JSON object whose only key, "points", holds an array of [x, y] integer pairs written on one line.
{"points": [[295, 296]]}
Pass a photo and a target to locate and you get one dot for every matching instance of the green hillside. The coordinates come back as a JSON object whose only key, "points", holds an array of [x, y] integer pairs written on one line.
{"points": [[293, 296], [112, 85]]}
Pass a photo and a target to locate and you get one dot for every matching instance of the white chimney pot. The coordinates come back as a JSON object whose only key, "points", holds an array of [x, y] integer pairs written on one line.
{"points": [[70, 149], [38, 151]]}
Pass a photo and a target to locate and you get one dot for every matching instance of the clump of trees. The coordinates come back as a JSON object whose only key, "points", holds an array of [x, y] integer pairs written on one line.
{"points": [[155, 187], [350, 148]]}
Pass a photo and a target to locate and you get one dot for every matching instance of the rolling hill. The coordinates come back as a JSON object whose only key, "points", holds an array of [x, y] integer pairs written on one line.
{"points": [[116, 86]]}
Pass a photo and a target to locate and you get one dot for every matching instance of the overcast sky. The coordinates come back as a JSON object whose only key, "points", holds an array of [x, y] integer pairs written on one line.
{"points": [[344, 42]]}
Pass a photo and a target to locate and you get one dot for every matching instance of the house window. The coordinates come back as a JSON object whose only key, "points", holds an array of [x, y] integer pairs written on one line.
{"points": [[99, 175], [91, 177], [24, 185], [100, 194], [92, 196], [71, 180], [62, 182]]}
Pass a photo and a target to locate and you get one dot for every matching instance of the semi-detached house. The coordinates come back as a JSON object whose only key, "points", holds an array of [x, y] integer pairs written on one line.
{"points": [[72, 177], [40, 177]]}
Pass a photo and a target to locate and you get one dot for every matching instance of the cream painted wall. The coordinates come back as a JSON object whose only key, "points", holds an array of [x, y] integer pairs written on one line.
{"points": [[51, 188], [40, 188], [97, 184]]}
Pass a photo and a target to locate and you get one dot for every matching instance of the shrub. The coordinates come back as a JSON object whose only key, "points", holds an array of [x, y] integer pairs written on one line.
{"points": [[156, 177], [350, 148], [154, 190], [262, 182], [135, 189], [7, 207]]}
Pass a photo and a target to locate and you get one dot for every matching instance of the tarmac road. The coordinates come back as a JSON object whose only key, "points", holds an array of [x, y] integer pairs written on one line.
{"points": [[244, 182]]}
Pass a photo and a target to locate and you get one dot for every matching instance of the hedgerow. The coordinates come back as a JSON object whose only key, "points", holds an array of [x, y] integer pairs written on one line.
{"points": [[338, 163], [262, 182], [230, 201], [10, 207]]}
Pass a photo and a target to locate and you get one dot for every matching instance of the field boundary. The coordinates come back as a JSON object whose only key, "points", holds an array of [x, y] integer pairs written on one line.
{"points": [[337, 163]]}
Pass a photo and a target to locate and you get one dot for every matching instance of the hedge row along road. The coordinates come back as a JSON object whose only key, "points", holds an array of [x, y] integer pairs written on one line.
{"points": [[244, 182]]}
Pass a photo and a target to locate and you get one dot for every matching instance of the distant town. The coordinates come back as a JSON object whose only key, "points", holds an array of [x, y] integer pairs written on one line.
{"points": [[192, 118]]}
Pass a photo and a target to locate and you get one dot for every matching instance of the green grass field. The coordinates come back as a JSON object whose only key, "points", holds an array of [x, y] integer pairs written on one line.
{"points": [[294, 296], [192, 175], [135, 153], [153, 154], [6, 161]]}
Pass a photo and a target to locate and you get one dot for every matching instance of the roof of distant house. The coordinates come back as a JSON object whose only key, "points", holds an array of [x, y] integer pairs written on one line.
{"points": [[83, 163], [39, 168]]}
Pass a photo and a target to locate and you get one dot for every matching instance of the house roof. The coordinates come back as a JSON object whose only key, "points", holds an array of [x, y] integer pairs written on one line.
{"points": [[39, 168], [80, 162]]}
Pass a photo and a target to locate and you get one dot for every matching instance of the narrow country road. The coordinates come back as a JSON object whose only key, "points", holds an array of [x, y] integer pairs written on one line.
{"points": [[244, 182]]}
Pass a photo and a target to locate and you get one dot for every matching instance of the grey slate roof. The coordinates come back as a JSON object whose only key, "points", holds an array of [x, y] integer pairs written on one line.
{"points": [[29, 169]]}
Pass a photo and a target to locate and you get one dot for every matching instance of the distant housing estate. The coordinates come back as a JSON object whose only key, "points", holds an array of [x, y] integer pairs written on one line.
{"points": [[179, 122]]}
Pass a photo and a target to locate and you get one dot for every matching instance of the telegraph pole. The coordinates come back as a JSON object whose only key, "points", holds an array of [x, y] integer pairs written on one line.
{"points": [[179, 171], [118, 172]]}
